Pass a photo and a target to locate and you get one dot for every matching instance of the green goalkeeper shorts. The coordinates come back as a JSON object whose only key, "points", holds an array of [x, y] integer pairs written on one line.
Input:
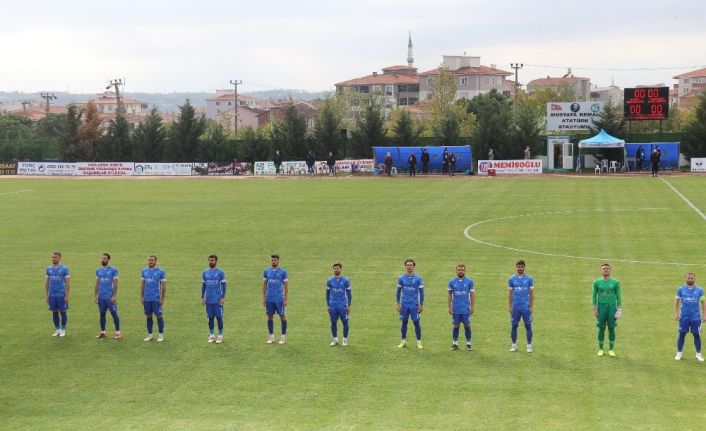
{"points": [[606, 316]]}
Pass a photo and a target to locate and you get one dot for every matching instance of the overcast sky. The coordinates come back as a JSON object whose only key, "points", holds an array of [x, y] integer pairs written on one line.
{"points": [[174, 46]]}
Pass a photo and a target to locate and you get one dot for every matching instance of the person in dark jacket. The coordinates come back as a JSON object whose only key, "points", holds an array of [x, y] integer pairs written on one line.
{"points": [[310, 162], [445, 161], [277, 160], [412, 160], [452, 164], [331, 163], [655, 158], [425, 161], [388, 164], [639, 158]]}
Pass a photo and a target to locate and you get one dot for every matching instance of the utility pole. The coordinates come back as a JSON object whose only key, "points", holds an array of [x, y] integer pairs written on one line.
{"points": [[47, 97], [117, 83], [517, 67], [25, 104], [235, 84]]}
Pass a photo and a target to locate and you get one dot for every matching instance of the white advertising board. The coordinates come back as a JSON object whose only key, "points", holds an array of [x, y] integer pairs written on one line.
{"points": [[162, 169], [107, 169], [510, 167], [563, 116], [698, 165], [45, 168]]}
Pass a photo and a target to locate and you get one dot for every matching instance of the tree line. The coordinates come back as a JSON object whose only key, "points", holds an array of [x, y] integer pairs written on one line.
{"points": [[347, 124]]}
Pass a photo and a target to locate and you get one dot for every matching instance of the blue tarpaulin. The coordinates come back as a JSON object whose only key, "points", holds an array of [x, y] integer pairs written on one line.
{"points": [[400, 156]]}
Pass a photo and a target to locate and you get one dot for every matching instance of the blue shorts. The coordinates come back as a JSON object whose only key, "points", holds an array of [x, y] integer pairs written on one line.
{"points": [[274, 307], [688, 324], [214, 310], [338, 312], [521, 312], [410, 312], [464, 318], [56, 303], [105, 305], [153, 307]]}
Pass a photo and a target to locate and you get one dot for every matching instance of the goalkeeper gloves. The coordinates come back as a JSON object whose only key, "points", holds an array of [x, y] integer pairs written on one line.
{"points": [[619, 313]]}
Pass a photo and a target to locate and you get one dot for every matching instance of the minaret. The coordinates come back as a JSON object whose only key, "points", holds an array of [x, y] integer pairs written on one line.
{"points": [[410, 56]]}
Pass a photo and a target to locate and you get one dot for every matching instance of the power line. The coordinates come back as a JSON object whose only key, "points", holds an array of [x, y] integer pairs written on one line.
{"points": [[607, 69]]}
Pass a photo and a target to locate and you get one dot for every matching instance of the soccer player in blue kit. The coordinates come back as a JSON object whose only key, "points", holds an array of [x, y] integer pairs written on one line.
{"points": [[521, 303], [462, 300], [410, 301], [693, 312], [338, 301], [106, 292], [153, 288], [275, 293], [213, 295], [57, 288]]}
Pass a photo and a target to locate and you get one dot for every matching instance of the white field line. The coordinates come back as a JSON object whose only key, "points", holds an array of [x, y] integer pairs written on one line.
{"points": [[466, 233], [698, 211], [15, 193]]}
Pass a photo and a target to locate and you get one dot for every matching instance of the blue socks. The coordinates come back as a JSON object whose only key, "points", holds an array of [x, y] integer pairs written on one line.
{"points": [[334, 329], [528, 328], [468, 335], [404, 330], [345, 328], [284, 327], [455, 334], [220, 325], [682, 338], [116, 320], [270, 326], [55, 317], [160, 325], [513, 333], [102, 322], [64, 319], [210, 325], [150, 325], [418, 329]]}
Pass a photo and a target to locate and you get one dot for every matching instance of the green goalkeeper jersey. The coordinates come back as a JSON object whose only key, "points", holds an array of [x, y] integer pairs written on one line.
{"points": [[606, 292]]}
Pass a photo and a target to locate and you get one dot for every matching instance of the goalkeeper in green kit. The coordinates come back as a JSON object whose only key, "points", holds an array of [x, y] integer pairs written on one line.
{"points": [[606, 307]]}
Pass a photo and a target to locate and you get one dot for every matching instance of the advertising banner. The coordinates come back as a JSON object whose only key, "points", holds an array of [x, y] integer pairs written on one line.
{"points": [[46, 168], [264, 168], [8, 168], [220, 168], [698, 165], [510, 167], [162, 169], [564, 116], [105, 169]]}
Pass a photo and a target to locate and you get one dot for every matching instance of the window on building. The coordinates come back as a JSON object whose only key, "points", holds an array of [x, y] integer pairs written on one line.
{"points": [[430, 80], [686, 81], [218, 103], [463, 80], [487, 81], [388, 90], [364, 89], [230, 103], [377, 88]]}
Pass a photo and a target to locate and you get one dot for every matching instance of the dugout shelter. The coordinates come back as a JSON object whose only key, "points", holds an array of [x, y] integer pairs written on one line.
{"points": [[400, 156], [609, 147]]}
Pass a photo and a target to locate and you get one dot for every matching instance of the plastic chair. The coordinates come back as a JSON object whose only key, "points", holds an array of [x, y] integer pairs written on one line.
{"points": [[604, 165], [613, 166], [597, 170]]}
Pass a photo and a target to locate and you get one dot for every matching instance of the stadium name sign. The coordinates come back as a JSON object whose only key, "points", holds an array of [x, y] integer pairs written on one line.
{"points": [[510, 167], [698, 165], [572, 115]]}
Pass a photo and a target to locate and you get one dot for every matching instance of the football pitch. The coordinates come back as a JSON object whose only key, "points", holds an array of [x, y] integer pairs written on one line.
{"points": [[563, 227]]}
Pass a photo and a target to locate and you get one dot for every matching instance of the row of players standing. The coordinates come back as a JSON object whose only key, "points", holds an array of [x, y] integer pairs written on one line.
{"points": [[448, 163], [655, 158], [689, 304]]}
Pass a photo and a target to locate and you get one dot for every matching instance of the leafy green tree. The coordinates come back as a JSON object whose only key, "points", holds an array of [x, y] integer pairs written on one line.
{"points": [[68, 144], [406, 133], [116, 144], [288, 135], [441, 103], [693, 143], [184, 134], [252, 146], [149, 138], [214, 145], [327, 129], [611, 120], [89, 132], [494, 115], [369, 131], [15, 133], [527, 130], [450, 130]]}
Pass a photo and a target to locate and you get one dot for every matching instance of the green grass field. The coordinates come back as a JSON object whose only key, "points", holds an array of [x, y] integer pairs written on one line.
{"points": [[649, 234]]}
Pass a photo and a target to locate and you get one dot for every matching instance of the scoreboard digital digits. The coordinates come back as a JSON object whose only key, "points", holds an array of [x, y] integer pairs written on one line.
{"points": [[646, 103]]}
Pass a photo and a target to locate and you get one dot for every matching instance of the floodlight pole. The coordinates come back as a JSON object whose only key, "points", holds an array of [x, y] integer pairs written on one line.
{"points": [[517, 67], [235, 83], [47, 97]]}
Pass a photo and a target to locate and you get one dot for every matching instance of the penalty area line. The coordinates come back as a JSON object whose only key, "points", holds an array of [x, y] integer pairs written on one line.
{"points": [[698, 211]]}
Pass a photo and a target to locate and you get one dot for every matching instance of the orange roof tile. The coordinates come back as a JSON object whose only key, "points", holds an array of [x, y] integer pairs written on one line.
{"points": [[398, 68], [481, 70], [692, 74], [557, 81], [382, 79]]}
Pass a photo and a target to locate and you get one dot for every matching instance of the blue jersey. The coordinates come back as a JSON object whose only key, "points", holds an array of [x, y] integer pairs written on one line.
{"points": [[461, 290], [57, 279], [153, 279], [520, 287], [275, 277], [105, 276], [338, 292], [690, 301], [213, 288], [410, 290]]}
